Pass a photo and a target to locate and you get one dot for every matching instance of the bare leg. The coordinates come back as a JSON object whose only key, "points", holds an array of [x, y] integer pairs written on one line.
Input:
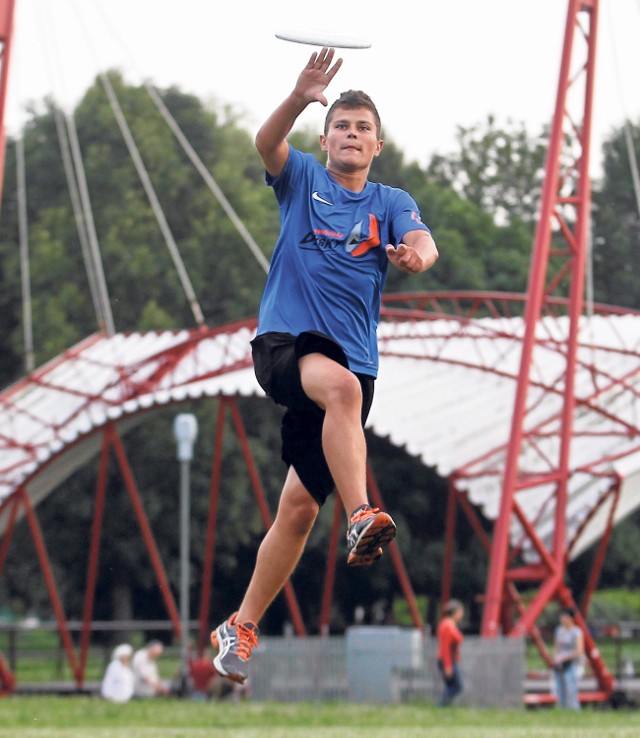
{"points": [[337, 391], [280, 549]]}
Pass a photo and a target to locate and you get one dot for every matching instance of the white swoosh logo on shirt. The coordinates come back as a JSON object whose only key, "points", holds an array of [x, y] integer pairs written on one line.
{"points": [[317, 197]]}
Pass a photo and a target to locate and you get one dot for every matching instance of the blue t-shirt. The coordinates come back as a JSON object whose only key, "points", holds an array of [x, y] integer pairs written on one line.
{"points": [[329, 265]]}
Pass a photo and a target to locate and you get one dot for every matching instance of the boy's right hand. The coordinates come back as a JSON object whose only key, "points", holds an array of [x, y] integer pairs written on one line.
{"points": [[316, 76]]}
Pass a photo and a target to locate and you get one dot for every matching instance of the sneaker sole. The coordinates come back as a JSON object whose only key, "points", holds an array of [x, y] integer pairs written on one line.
{"points": [[364, 559], [223, 672], [369, 546]]}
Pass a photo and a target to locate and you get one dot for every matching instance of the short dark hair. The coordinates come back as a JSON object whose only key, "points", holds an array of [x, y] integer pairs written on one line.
{"points": [[452, 606], [354, 99], [570, 611]]}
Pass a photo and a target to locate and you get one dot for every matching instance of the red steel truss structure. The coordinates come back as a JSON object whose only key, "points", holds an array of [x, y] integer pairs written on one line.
{"points": [[565, 204], [558, 263], [80, 405]]}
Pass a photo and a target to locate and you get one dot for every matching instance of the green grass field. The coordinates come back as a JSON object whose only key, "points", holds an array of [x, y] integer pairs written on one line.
{"points": [[90, 717]]}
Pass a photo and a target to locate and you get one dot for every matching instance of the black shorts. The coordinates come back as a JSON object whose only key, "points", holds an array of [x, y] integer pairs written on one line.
{"points": [[275, 360]]}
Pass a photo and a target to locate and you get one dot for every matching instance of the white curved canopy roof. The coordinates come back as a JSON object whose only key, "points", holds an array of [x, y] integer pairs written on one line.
{"points": [[445, 392]]}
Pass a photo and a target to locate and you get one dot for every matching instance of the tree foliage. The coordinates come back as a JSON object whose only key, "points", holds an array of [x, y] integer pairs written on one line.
{"points": [[501, 170], [616, 242]]}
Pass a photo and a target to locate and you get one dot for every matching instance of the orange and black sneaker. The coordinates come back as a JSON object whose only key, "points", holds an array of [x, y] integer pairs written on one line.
{"points": [[369, 531], [234, 642]]}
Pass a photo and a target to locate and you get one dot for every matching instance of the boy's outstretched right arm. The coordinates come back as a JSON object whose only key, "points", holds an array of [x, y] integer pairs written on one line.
{"points": [[271, 139]]}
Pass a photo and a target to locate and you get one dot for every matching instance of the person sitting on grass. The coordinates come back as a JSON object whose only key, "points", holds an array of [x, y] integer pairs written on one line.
{"points": [[117, 684], [147, 681]]}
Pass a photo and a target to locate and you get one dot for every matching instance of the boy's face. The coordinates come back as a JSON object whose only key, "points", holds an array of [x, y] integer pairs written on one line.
{"points": [[351, 140]]}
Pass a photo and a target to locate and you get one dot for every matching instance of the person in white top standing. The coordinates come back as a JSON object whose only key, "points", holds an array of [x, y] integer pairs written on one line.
{"points": [[117, 684], [567, 659], [147, 681]]}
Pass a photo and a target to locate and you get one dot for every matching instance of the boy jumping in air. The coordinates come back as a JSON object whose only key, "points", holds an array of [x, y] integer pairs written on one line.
{"points": [[316, 350]]}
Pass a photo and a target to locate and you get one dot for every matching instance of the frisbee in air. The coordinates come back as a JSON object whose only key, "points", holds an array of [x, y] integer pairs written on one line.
{"points": [[324, 38]]}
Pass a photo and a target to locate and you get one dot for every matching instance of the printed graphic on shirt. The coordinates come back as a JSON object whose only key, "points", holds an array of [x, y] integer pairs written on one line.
{"points": [[357, 245], [359, 241]]}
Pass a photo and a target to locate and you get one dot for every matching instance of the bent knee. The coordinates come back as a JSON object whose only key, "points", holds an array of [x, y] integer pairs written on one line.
{"points": [[298, 514], [303, 514], [344, 391], [328, 383]]}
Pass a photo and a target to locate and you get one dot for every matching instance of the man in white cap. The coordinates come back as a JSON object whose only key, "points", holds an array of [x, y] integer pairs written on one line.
{"points": [[117, 685]]}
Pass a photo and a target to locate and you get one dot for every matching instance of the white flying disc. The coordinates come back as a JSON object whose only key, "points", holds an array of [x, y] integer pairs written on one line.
{"points": [[324, 38]]}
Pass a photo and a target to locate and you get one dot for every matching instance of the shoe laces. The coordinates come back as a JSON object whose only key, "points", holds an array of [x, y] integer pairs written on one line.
{"points": [[363, 513], [247, 640]]}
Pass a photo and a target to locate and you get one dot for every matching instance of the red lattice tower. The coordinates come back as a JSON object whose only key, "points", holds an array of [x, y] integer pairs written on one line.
{"points": [[558, 266]]}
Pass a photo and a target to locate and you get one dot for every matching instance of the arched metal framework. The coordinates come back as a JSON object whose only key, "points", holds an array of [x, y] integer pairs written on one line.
{"points": [[100, 389], [449, 366]]}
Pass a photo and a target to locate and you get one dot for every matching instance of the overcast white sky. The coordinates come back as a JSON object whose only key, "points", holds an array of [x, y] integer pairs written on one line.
{"points": [[433, 65]]}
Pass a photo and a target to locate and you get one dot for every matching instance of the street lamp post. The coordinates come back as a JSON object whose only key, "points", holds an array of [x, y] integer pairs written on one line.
{"points": [[185, 431]]}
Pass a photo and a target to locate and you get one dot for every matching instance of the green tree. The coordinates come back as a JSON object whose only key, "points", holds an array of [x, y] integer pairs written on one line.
{"points": [[139, 272], [501, 170], [145, 295], [616, 225]]}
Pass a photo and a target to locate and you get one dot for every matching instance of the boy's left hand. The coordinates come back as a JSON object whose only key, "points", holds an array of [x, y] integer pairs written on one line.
{"points": [[405, 258]]}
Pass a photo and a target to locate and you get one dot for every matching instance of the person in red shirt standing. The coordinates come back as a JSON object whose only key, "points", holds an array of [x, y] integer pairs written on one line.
{"points": [[449, 642]]}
